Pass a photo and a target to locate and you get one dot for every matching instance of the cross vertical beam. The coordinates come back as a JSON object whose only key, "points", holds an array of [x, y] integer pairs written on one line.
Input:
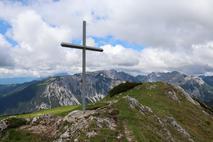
{"points": [[84, 67], [83, 47]]}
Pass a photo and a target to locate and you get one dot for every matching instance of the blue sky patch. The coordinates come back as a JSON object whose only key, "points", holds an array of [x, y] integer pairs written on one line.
{"points": [[77, 41], [24, 2], [100, 41], [4, 26], [27, 2], [113, 41], [11, 41]]}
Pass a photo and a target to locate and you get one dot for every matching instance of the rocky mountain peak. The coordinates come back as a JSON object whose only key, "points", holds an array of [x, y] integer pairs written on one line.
{"points": [[66, 90]]}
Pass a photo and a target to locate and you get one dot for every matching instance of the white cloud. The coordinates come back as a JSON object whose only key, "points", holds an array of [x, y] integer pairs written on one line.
{"points": [[5, 57], [39, 42], [90, 42], [177, 35], [197, 60]]}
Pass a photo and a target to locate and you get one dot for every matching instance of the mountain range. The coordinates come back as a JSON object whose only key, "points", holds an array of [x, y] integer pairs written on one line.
{"points": [[66, 89]]}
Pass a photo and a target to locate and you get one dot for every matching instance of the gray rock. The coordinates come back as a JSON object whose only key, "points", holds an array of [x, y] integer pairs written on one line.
{"points": [[186, 95], [79, 123], [166, 133], [3, 125], [172, 95], [137, 105], [179, 128], [91, 134]]}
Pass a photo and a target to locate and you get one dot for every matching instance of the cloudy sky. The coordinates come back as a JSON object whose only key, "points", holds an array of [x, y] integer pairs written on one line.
{"points": [[139, 36]]}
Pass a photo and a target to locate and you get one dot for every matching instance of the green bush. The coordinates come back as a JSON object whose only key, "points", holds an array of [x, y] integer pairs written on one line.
{"points": [[14, 122], [123, 87]]}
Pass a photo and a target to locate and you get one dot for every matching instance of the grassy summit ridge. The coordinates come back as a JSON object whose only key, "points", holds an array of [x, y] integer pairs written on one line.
{"points": [[160, 98]]}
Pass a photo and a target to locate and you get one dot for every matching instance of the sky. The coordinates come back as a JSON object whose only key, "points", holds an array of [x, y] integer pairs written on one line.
{"points": [[138, 37]]}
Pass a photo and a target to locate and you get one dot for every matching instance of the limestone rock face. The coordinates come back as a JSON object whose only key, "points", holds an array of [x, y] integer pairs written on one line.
{"points": [[135, 104], [81, 121], [172, 95], [188, 97], [3, 125]]}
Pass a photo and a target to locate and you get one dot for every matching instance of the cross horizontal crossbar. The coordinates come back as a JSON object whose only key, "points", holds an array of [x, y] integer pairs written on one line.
{"points": [[69, 45]]}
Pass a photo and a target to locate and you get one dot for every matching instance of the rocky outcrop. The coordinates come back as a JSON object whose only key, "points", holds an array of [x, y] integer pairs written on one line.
{"points": [[185, 94], [3, 125], [171, 121], [81, 121], [173, 95], [137, 105], [74, 125], [166, 133], [46, 125]]}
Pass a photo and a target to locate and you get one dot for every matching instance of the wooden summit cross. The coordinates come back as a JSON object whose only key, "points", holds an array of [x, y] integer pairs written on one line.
{"points": [[84, 48]]}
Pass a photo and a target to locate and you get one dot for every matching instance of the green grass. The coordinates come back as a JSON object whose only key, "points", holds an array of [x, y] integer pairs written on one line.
{"points": [[143, 128], [58, 111], [14, 135], [106, 135], [3, 117], [96, 105]]}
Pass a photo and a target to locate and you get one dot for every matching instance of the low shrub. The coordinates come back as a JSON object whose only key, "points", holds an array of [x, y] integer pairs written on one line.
{"points": [[14, 122], [123, 87]]}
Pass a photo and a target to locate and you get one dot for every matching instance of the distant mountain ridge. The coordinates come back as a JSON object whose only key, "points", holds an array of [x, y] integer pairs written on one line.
{"points": [[194, 85], [56, 91], [17, 80], [66, 90]]}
